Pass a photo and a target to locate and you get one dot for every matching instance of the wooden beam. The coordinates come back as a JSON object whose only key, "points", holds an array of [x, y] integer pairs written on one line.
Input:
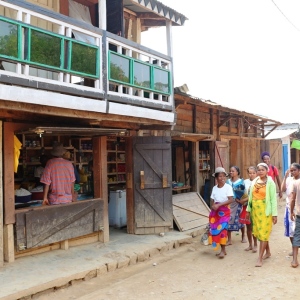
{"points": [[153, 23], [228, 136], [269, 131], [16, 111], [100, 180], [224, 121], [149, 16]]}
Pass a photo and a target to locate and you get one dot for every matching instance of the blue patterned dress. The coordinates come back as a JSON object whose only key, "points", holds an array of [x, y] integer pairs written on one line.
{"points": [[235, 208]]}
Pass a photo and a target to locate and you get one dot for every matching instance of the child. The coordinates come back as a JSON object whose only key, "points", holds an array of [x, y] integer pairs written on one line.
{"points": [[252, 246]]}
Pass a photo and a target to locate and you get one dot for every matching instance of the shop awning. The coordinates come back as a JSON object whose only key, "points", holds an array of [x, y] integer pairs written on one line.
{"points": [[192, 137], [279, 134], [76, 131]]}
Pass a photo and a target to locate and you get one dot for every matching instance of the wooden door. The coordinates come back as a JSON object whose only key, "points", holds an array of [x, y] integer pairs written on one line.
{"points": [[152, 182], [221, 155]]}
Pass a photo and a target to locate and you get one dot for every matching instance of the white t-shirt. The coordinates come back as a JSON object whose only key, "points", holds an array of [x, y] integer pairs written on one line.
{"points": [[296, 189], [221, 194], [247, 183]]}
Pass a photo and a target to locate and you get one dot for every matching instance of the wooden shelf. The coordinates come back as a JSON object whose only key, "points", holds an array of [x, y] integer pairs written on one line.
{"points": [[204, 160], [116, 172]]}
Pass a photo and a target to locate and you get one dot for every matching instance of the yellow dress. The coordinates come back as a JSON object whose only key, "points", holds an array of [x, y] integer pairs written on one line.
{"points": [[261, 224]]}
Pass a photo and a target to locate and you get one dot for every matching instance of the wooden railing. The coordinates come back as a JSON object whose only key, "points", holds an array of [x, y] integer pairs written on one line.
{"points": [[52, 47]]}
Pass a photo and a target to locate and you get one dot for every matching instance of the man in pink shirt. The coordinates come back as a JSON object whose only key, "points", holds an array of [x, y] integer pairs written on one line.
{"points": [[58, 178]]}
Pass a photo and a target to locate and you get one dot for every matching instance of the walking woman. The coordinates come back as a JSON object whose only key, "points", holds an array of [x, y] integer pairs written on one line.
{"points": [[236, 206], [286, 186], [221, 197], [262, 206]]}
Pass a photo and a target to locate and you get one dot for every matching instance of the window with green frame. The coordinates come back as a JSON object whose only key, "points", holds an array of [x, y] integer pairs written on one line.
{"points": [[47, 49], [135, 73]]}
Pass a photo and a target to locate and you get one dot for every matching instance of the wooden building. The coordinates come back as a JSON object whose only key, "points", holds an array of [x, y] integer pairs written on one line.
{"points": [[75, 72], [208, 135]]}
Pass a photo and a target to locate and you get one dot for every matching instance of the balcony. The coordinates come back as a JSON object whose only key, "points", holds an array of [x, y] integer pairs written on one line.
{"points": [[54, 53]]}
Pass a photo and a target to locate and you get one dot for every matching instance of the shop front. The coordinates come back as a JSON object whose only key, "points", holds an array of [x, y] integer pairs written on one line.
{"points": [[32, 225], [136, 167]]}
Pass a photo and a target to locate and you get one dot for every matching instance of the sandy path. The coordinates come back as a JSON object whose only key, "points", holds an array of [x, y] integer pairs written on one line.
{"points": [[194, 272]]}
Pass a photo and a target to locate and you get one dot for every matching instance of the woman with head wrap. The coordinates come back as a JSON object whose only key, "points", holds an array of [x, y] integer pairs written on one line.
{"points": [[262, 206], [273, 171]]}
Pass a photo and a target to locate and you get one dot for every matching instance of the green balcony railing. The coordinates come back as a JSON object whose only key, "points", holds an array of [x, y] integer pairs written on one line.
{"points": [[138, 74], [26, 44]]}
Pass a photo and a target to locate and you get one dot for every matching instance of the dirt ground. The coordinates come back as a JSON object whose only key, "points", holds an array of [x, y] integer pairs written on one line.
{"points": [[194, 272]]}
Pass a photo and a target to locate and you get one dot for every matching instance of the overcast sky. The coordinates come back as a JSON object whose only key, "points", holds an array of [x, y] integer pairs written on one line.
{"points": [[244, 54]]}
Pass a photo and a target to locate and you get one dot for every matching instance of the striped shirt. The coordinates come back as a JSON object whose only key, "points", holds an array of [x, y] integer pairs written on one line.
{"points": [[59, 174]]}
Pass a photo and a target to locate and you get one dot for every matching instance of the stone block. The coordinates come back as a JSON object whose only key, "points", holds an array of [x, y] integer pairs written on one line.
{"points": [[124, 262], [102, 270], [89, 275], [112, 266]]}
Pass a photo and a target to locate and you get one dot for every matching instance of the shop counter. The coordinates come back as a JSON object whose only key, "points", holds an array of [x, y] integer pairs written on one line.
{"points": [[39, 225]]}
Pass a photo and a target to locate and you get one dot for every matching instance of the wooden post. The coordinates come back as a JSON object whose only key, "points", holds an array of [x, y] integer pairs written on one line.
{"points": [[169, 38], [1, 202], [9, 251], [100, 180], [129, 187]]}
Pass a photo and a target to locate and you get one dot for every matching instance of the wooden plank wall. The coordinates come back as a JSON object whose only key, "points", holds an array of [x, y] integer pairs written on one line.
{"points": [[203, 120], [244, 153], [276, 155], [251, 155], [184, 121]]}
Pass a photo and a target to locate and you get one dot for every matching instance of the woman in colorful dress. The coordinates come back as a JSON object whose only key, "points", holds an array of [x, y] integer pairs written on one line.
{"points": [[244, 201], [236, 207], [262, 208], [221, 197], [286, 186]]}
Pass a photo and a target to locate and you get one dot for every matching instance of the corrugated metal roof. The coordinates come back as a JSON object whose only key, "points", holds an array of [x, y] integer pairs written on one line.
{"points": [[279, 134], [221, 107], [140, 6]]}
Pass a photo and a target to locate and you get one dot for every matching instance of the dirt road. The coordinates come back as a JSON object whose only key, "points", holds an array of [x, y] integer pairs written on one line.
{"points": [[194, 272]]}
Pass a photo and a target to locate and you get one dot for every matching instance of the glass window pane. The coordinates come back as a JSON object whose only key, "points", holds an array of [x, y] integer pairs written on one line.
{"points": [[45, 49], [84, 59], [142, 75], [119, 68], [161, 80], [8, 39]]}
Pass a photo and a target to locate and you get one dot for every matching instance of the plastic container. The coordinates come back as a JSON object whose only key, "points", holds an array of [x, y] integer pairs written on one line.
{"points": [[117, 209], [22, 199], [37, 195]]}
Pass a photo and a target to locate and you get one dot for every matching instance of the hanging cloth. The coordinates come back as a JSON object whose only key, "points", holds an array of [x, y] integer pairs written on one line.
{"points": [[82, 13], [17, 148]]}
